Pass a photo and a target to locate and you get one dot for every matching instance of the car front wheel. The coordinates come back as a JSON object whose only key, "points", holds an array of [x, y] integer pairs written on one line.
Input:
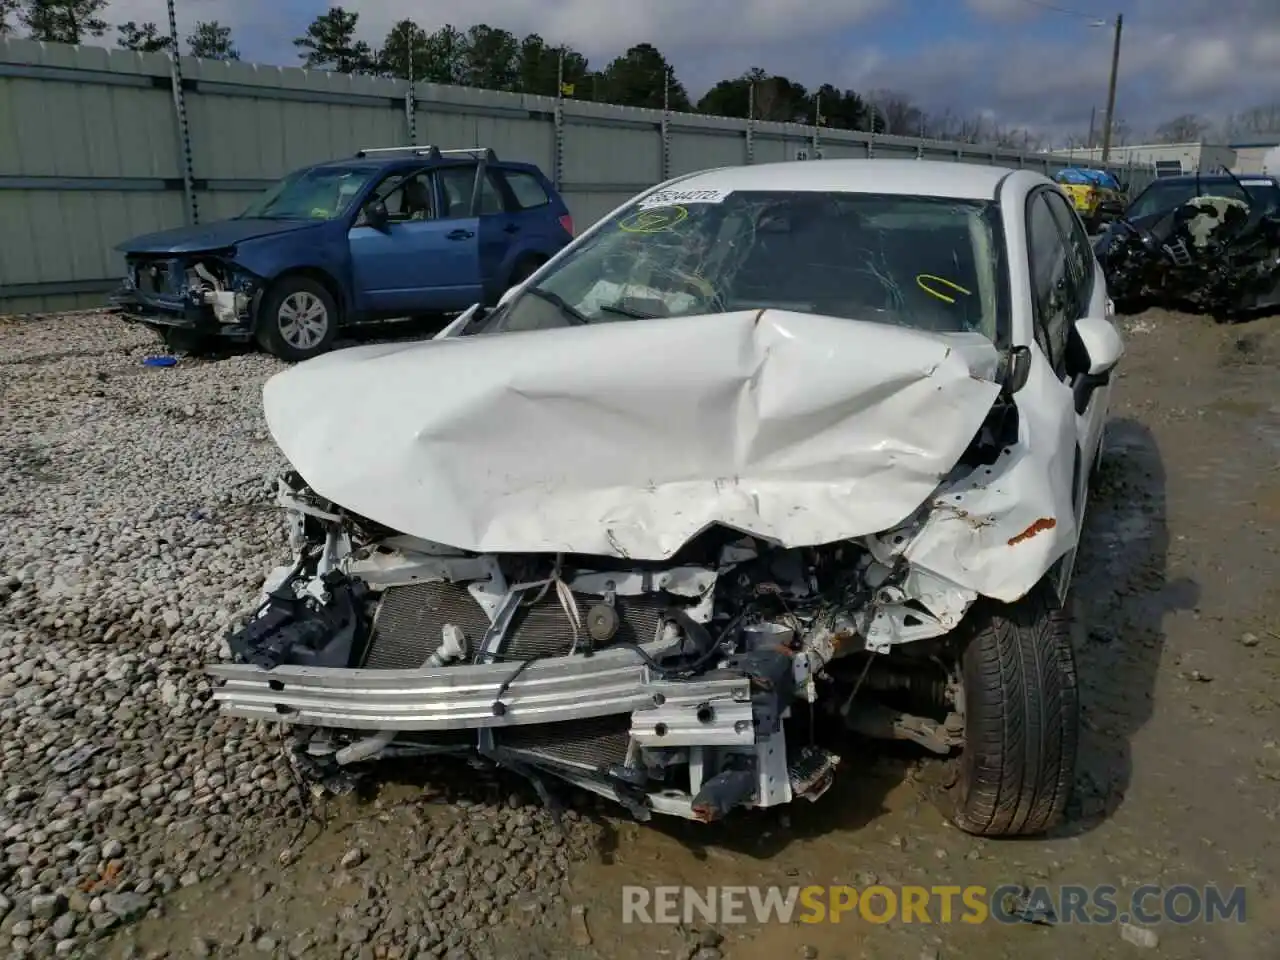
{"points": [[1022, 715], [298, 319]]}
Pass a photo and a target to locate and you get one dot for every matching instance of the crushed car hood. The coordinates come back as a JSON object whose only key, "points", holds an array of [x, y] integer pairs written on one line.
{"points": [[627, 439], [209, 236]]}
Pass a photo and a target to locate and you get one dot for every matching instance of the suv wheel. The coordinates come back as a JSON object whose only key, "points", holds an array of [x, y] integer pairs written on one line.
{"points": [[1022, 716], [298, 319]]}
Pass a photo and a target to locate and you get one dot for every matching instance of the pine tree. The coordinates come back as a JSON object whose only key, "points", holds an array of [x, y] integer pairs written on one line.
{"points": [[64, 21], [212, 41], [143, 37], [330, 42]]}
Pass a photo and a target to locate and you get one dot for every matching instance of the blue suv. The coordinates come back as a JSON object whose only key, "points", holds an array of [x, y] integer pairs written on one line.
{"points": [[391, 232]]}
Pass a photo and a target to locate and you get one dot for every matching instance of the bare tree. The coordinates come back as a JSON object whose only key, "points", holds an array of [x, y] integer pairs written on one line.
{"points": [[1260, 121], [1185, 128], [900, 115]]}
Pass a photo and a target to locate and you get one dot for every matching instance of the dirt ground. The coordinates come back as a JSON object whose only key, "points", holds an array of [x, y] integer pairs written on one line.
{"points": [[1178, 641]]}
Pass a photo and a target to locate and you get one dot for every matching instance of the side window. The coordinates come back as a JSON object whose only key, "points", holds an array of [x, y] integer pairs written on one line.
{"points": [[1079, 252], [457, 182], [406, 198], [411, 199], [1053, 292], [529, 193]]}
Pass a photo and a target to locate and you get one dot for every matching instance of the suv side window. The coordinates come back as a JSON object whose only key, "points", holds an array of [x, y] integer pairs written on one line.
{"points": [[1053, 289], [407, 197], [526, 189], [457, 182], [1079, 252]]}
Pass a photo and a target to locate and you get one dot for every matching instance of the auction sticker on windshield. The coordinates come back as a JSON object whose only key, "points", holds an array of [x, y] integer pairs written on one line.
{"points": [[667, 198], [653, 219]]}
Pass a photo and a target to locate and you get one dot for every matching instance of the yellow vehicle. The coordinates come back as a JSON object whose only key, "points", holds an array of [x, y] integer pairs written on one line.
{"points": [[1095, 194]]}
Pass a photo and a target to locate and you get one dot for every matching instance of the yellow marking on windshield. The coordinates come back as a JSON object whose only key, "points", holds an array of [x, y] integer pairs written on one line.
{"points": [[920, 282], [654, 220]]}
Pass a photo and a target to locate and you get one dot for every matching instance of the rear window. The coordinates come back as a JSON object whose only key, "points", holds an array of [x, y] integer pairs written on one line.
{"points": [[1166, 195], [923, 262], [528, 191]]}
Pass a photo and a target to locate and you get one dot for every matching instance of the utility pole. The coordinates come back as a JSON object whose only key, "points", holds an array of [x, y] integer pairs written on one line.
{"points": [[1093, 116], [1111, 91]]}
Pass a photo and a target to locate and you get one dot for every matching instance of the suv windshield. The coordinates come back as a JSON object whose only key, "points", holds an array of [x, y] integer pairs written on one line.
{"points": [[317, 193], [922, 262], [1165, 195]]}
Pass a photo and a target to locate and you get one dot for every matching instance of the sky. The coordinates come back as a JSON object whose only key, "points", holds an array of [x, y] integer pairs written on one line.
{"points": [[1021, 63]]}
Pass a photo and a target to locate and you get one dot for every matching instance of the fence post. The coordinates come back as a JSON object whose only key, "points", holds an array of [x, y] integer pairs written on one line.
{"points": [[558, 164], [666, 128], [184, 129]]}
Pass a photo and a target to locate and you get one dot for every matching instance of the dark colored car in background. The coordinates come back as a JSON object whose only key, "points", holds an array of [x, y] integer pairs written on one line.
{"points": [[1208, 243], [391, 232]]}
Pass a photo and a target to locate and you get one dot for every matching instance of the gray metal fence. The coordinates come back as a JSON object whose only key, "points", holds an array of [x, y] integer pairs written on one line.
{"points": [[92, 149]]}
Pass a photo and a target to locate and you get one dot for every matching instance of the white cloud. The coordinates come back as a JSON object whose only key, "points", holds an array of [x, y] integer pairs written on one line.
{"points": [[1032, 67], [607, 27]]}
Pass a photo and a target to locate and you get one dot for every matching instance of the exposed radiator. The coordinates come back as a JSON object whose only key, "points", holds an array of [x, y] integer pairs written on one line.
{"points": [[587, 744], [543, 629], [408, 624]]}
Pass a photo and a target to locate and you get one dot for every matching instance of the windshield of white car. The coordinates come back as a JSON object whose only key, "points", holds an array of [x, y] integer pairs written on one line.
{"points": [[1161, 197], [923, 262], [316, 193]]}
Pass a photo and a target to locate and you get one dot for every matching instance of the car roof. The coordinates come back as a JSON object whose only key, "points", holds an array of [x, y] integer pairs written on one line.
{"points": [[1215, 178], [928, 178]]}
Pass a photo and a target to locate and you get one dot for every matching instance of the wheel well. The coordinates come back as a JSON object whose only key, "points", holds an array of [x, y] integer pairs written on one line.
{"points": [[530, 259], [325, 280]]}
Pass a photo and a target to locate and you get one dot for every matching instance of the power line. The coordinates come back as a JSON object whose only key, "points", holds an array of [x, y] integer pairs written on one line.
{"points": [[1045, 5]]}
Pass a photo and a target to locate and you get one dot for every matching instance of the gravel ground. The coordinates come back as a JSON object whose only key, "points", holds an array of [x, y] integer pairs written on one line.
{"points": [[134, 528]]}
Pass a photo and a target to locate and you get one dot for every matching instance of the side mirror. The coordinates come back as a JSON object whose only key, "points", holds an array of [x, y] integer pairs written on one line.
{"points": [[375, 212], [1103, 347], [1099, 350]]}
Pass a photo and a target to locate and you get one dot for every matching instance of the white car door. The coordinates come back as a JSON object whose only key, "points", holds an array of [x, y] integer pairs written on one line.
{"points": [[1091, 296], [1066, 289]]}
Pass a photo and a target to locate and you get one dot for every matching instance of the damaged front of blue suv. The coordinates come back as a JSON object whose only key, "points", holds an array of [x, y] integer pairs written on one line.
{"points": [[391, 232]]}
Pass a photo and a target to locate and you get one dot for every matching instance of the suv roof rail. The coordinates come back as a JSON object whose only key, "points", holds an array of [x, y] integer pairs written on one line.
{"points": [[485, 153], [424, 151], [433, 152]]}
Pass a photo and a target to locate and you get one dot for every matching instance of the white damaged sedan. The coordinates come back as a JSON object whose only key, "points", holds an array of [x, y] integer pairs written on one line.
{"points": [[768, 454]]}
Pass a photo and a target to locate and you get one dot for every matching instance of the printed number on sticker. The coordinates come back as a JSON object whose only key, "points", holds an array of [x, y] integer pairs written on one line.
{"points": [[667, 198]]}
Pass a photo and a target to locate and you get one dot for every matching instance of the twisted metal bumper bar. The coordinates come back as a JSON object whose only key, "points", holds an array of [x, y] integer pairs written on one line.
{"points": [[454, 698]]}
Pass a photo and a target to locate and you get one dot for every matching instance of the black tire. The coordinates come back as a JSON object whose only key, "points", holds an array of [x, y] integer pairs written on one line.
{"points": [[185, 342], [1022, 719], [288, 326]]}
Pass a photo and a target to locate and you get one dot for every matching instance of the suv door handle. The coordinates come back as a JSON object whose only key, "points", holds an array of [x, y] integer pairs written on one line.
{"points": [[460, 234], [511, 228]]}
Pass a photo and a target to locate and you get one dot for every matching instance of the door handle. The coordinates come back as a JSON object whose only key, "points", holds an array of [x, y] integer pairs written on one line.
{"points": [[511, 228], [460, 234]]}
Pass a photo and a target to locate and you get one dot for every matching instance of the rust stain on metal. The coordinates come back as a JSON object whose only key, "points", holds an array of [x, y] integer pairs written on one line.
{"points": [[1040, 526]]}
